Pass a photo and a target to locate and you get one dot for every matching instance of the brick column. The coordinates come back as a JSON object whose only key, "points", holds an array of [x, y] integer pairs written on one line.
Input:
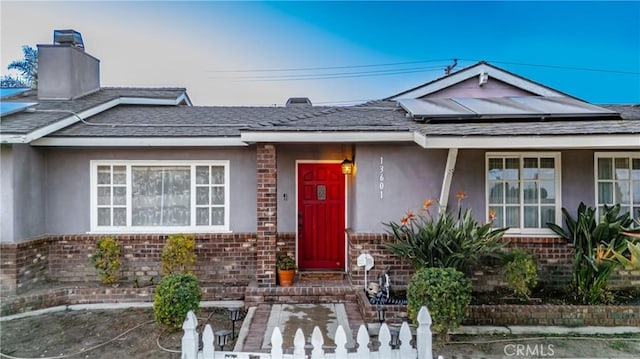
{"points": [[267, 215]]}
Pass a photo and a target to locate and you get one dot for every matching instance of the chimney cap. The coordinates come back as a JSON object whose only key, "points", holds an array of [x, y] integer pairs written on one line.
{"points": [[68, 37]]}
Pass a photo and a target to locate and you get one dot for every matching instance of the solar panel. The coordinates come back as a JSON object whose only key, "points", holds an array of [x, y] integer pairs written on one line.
{"points": [[501, 107], [8, 92], [7, 108]]}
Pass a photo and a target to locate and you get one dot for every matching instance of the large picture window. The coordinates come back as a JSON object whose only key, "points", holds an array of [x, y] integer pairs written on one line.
{"points": [[159, 196], [618, 181], [523, 190]]}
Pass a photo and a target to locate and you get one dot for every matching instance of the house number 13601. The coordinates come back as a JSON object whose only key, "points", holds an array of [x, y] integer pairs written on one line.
{"points": [[381, 183]]}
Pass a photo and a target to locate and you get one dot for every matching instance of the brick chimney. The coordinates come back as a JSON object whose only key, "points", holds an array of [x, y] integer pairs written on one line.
{"points": [[65, 70]]}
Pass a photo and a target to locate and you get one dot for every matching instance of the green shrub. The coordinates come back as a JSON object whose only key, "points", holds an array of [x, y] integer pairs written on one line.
{"points": [[521, 273], [443, 241], [175, 296], [598, 244], [106, 260], [178, 254], [445, 292]]}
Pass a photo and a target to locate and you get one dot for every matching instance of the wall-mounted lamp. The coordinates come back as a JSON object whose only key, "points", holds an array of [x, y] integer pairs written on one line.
{"points": [[347, 167]]}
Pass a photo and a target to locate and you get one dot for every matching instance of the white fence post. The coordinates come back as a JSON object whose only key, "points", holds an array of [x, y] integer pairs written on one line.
{"points": [[317, 341], [384, 337], [298, 345], [341, 342], [276, 344], [208, 349], [406, 350], [363, 342], [190, 337], [424, 342]]}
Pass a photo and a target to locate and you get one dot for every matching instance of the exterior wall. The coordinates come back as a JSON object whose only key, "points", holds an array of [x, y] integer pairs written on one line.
{"points": [[267, 213], [68, 182], [23, 193], [470, 88], [411, 175], [6, 194], [24, 265]]}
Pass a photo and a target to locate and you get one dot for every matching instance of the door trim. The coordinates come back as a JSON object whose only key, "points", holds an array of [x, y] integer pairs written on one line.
{"points": [[346, 206]]}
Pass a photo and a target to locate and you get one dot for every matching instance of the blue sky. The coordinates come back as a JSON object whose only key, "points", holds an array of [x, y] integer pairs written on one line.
{"points": [[213, 48]]}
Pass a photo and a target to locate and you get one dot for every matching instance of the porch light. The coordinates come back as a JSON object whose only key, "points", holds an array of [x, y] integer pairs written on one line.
{"points": [[347, 167], [222, 337]]}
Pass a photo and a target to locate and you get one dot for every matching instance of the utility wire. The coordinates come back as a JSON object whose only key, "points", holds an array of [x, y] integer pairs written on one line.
{"points": [[346, 75], [563, 67], [342, 73], [333, 67]]}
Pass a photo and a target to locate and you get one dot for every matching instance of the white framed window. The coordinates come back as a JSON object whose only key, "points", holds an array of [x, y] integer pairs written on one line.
{"points": [[523, 190], [159, 196], [618, 181]]}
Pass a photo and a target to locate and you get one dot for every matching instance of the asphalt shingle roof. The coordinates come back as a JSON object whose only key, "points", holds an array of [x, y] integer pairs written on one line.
{"points": [[25, 122]]}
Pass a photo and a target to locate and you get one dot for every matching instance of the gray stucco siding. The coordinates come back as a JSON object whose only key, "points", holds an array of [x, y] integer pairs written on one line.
{"points": [[410, 176], [68, 185], [23, 194]]}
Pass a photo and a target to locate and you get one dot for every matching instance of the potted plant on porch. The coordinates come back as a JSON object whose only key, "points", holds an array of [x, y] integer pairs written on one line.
{"points": [[286, 267]]}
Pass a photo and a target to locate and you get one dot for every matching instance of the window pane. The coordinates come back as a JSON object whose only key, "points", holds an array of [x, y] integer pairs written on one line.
{"points": [[636, 215], [495, 169], [119, 196], [547, 168], [119, 175], [636, 192], [202, 195], [547, 192], [202, 216], [496, 195], [512, 217], [104, 196], [635, 169], [624, 209], [104, 216], [499, 220], [530, 190], [217, 175], [104, 175], [548, 215], [512, 168], [512, 192], [605, 168], [605, 193], [161, 195], [217, 195], [622, 168], [530, 217], [530, 168], [202, 175], [217, 216], [623, 196], [119, 216]]}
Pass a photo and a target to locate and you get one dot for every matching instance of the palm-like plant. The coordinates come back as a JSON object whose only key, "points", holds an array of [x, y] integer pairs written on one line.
{"points": [[27, 66], [444, 241], [595, 241]]}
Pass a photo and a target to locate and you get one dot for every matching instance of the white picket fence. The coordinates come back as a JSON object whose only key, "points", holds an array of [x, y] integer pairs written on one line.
{"points": [[423, 349]]}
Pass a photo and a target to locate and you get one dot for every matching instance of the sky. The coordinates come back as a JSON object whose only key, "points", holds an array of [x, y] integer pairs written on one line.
{"points": [[261, 53]]}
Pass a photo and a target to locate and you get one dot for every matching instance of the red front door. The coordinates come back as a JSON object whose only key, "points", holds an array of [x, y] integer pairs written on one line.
{"points": [[321, 216]]}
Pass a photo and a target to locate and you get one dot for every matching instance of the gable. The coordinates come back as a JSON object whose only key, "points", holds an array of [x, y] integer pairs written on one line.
{"points": [[482, 74], [471, 88]]}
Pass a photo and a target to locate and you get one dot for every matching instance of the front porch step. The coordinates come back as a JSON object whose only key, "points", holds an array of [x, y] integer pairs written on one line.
{"points": [[309, 277], [308, 291]]}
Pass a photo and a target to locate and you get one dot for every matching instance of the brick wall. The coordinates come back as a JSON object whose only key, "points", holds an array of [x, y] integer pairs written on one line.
{"points": [[267, 197], [23, 265], [221, 258]]}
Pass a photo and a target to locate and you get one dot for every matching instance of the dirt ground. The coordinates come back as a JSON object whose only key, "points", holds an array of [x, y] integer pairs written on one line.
{"points": [[131, 333]]}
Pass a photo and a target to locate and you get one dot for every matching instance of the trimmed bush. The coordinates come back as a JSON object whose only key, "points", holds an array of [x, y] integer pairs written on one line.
{"points": [[521, 273], [106, 260], [175, 296], [177, 255], [445, 292]]}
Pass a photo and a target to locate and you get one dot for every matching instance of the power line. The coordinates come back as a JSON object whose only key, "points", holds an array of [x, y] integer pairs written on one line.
{"points": [[338, 74], [333, 67], [576, 68]]}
